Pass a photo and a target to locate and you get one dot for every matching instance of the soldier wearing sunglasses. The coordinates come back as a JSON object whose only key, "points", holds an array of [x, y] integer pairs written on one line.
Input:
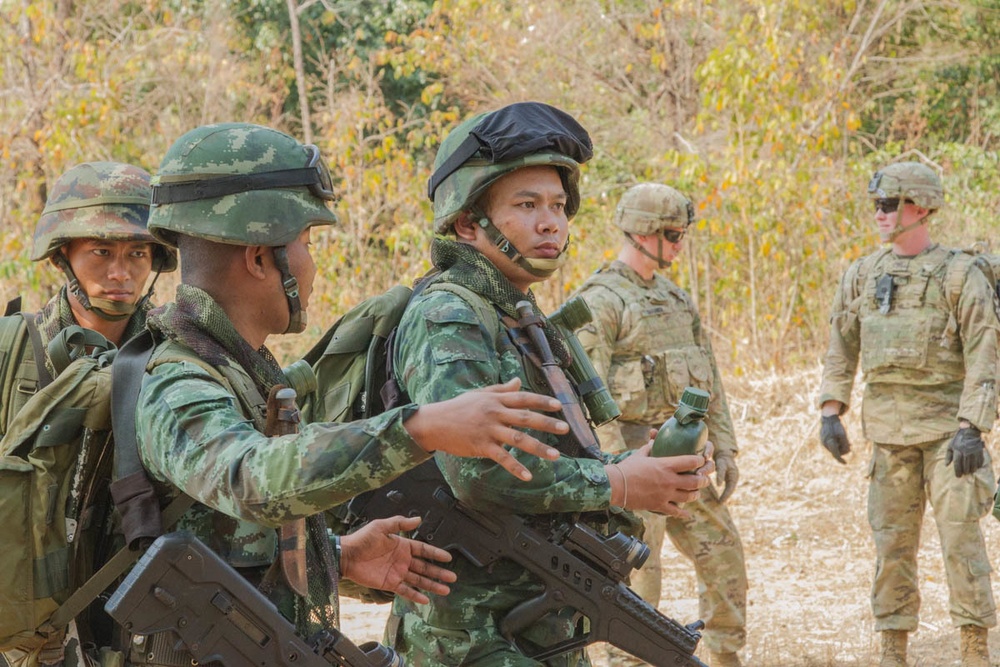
{"points": [[920, 320], [647, 343]]}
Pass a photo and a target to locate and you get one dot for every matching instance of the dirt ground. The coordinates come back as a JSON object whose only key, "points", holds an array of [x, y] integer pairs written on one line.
{"points": [[810, 555]]}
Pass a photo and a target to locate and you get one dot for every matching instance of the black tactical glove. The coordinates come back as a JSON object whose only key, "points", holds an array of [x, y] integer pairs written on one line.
{"points": [[834, 437], [726, 473], [967, 451]]}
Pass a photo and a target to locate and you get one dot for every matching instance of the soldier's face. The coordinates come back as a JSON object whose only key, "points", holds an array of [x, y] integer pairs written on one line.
{"points": [[661, 246], [891, 214], [112, 270], [528, 206]]}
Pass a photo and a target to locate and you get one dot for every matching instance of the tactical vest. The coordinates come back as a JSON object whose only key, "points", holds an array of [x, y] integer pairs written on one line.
{"points": [[240, 543], [656, 355], [908, 327]]}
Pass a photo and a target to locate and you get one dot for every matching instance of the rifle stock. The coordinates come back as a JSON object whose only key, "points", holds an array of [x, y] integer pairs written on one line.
{"points": [[579, 568], [182, 586]]}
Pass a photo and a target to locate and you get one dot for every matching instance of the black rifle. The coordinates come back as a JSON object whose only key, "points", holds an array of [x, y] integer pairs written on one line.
{"points": [[182, 586], [579, 568]]}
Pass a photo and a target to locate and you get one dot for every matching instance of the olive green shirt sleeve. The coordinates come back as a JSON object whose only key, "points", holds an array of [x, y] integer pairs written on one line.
{"points": [[978, 327], [192, 435], [444, 350], [840, 364]]}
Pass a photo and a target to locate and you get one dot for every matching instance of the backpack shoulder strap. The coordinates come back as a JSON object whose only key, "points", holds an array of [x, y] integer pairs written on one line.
{"points": [[132, 490], [957, 266], [126, 380]]}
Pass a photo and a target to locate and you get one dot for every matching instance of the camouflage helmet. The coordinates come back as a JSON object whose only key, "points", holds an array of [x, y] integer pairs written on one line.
{"points": [[649, 207], [99, 200], [908, 180], [490, 145], [241, 184]]}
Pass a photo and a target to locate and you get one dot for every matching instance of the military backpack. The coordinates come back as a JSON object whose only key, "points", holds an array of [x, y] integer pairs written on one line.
{"points": [[353, 359]]}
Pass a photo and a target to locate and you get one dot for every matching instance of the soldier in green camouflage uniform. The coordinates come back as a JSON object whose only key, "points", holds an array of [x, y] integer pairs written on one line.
{"points": [[647, 342], [239, 201], [921, 320], [93, 228], [501, 224]]}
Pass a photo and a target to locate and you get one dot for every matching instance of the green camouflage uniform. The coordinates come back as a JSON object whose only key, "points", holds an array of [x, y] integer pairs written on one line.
{"points": [[445, 349], [646, 340], [55, 316], [928, 362], [204, 437], [92, 200]]}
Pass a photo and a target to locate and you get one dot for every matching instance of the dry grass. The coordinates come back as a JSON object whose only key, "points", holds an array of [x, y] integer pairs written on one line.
{"points": [[810, 555]]}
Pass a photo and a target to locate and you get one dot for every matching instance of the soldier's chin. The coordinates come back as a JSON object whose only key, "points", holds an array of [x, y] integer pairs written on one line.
{"points": [[885, 237]]}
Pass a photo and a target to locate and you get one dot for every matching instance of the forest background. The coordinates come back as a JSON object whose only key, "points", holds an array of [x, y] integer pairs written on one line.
{"points": [[770, 114]]}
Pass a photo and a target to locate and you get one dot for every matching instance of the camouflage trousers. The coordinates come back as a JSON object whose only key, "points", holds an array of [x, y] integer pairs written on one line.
{"points": [[901, 481], [423, 645]]}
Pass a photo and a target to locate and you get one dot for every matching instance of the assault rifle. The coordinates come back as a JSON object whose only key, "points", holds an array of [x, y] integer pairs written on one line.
{"points": [[579, 568], [182, 586]]}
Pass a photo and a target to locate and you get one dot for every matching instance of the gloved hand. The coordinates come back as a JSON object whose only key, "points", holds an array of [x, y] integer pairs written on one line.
{"points": [[967, 451], [834, 437], [727, 474]]}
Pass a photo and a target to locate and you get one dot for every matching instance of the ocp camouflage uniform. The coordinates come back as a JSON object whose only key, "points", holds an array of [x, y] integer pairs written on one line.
{"points": [[646, 340], [928, 362], [445, 349]]}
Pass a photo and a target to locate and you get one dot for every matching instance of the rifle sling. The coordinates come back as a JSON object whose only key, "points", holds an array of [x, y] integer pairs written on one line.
{"points": [[112, 570]]}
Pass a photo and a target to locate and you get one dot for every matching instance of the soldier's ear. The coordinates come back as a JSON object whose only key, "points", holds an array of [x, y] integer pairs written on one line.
{"points": [[256, 260], [466, 225]]}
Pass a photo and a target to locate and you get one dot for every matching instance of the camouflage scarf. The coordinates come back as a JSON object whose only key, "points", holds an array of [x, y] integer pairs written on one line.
{"points": [[463, 264], [195, 320], [57, 315]]}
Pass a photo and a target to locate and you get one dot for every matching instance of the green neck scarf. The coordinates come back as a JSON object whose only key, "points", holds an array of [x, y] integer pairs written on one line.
{"points": [[469, 268], [195, 320]]}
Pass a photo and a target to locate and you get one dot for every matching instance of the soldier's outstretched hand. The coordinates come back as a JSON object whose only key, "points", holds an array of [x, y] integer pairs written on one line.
{"points": [[378, 557], [478, 423]]}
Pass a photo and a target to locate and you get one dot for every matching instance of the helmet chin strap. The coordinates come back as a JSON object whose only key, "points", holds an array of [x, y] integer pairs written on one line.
{"points": [[540, 267], [658, 258], [902, 229], [297, 317], [106, 309]]}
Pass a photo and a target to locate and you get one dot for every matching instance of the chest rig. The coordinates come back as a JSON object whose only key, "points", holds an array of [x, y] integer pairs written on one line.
{"points": [[909, 332], [656, 355]]}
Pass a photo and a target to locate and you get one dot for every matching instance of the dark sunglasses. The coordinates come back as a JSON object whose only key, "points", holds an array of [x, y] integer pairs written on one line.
{"points": [[315, 176], [888, 205], [673, 235]]}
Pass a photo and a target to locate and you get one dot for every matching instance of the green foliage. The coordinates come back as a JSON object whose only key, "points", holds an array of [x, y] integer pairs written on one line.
{"points": [[770, 114]]}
